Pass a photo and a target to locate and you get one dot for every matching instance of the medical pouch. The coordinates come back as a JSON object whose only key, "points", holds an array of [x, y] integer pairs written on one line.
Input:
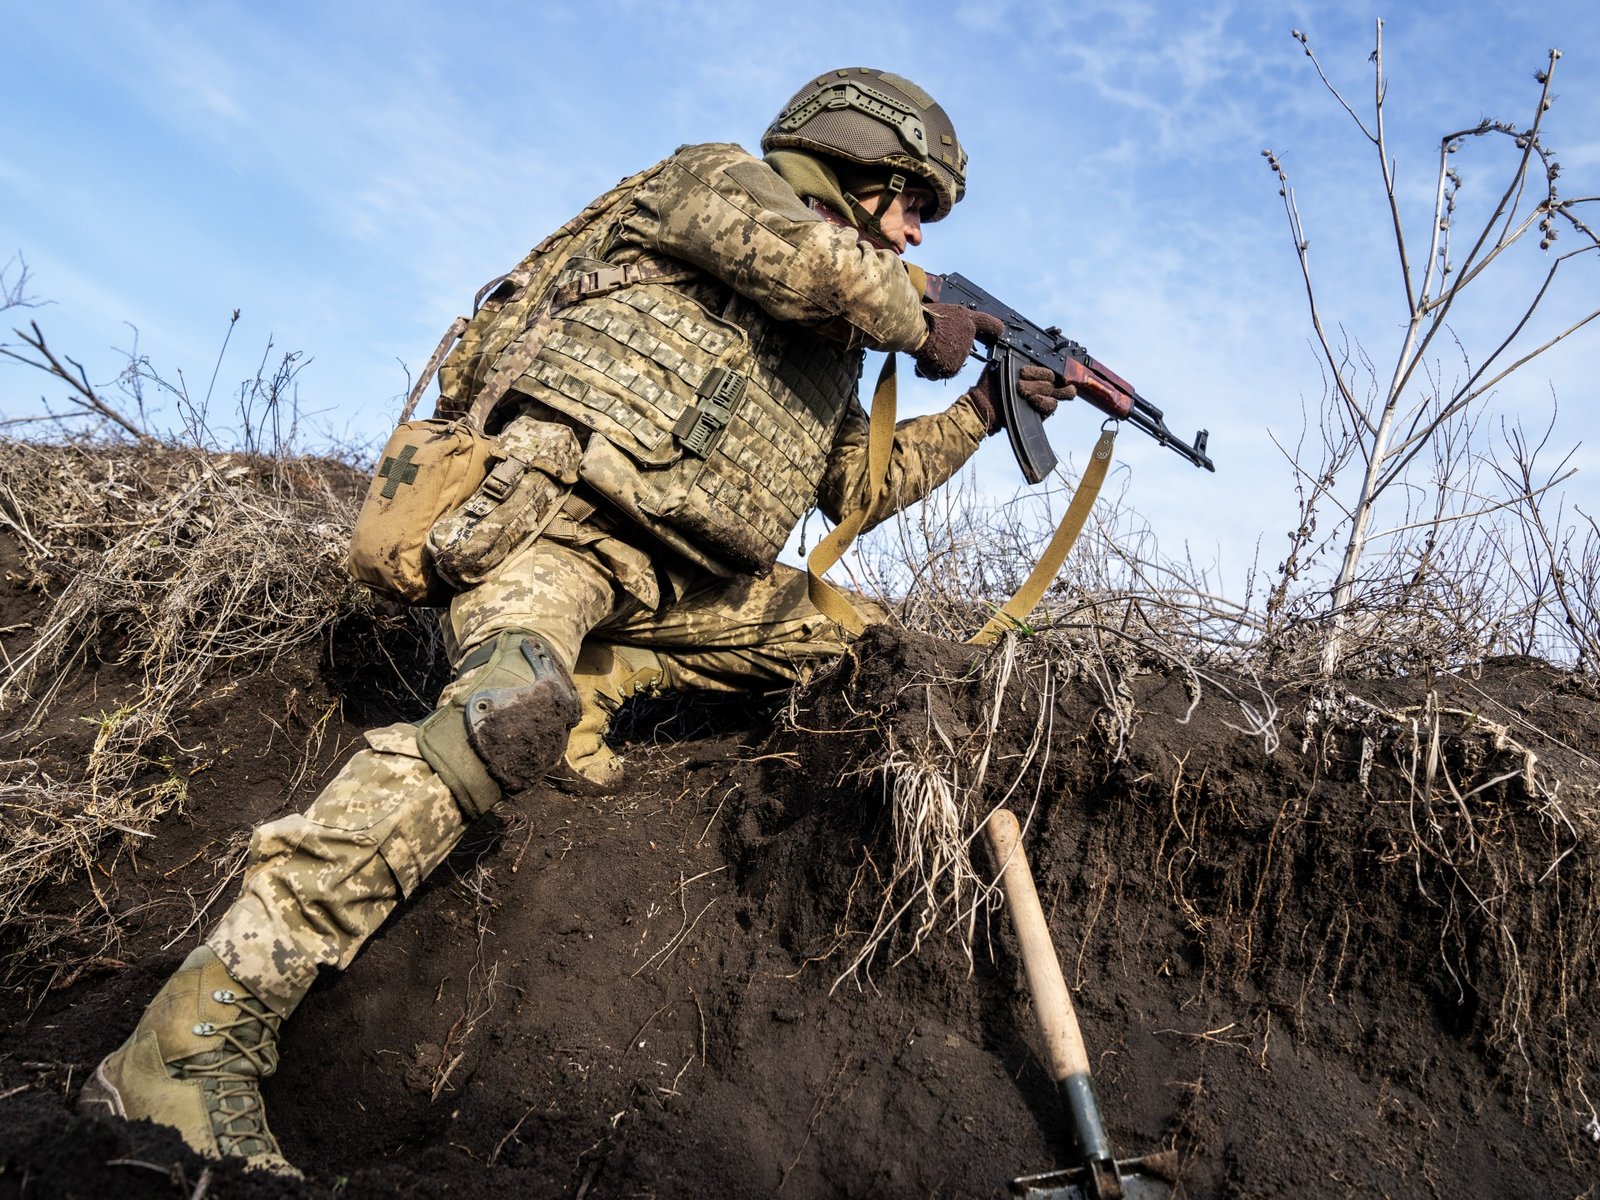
{"points": [[427, 469]]}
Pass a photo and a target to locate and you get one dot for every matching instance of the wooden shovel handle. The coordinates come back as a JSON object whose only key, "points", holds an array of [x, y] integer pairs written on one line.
{"points": [[1099, 1176], [1058, 1021]]}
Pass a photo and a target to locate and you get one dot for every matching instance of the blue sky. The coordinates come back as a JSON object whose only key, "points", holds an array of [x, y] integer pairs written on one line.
{"points": [[347, 175]]}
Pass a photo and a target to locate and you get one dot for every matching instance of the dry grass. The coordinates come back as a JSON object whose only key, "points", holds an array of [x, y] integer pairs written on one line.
{"points": [[1486, 833], [1116, 610], [193, 560], [932, 779], [1469, 847], [180, 565], [50, 832], [944, 566]]}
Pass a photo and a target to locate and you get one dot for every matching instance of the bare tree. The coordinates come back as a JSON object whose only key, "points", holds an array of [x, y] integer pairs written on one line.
{"points": [[1410, 405]]}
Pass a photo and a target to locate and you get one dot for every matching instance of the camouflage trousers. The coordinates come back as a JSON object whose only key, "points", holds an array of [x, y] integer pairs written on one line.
{"points": [[319, 883]]}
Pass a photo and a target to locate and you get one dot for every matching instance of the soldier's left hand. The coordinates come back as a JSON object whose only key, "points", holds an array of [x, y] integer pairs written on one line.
{"points": [[1043, 389], [1037, 385], [952, 330]]}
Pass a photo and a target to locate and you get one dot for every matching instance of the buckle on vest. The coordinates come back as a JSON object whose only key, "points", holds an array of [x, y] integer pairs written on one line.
{"points": [[497, 485], [697, 428]]}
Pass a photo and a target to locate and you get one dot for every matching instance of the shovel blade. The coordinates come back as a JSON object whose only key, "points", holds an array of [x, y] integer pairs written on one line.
{"points": [[1083, 1183]]}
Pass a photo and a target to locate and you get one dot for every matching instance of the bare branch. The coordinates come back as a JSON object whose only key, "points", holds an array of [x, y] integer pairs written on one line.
{"points": [[1333, 91], [1438, 520], [14, 287], [78, 379], [1301, 245], [1465, 399], [1386, 165]]}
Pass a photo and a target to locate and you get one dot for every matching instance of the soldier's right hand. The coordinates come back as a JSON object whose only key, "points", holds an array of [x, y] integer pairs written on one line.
{"points": [[952, 330]]}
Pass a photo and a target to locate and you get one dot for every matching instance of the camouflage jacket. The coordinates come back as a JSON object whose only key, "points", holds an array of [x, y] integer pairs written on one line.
{"points": [[721, 380]]}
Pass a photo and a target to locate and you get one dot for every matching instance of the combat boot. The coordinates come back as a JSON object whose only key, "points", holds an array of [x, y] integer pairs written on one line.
{"points": [[605, 676], [194, 1062]]}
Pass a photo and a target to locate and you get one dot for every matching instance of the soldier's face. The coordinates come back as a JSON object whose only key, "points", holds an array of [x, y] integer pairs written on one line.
{"points": [[902, 220]]}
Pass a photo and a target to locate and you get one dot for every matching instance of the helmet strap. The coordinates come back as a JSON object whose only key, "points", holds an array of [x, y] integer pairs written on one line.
{"points": [[869, 221]]}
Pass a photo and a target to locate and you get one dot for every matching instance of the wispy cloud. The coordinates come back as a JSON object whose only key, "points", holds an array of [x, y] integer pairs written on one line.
{"points": [[349, 174]]}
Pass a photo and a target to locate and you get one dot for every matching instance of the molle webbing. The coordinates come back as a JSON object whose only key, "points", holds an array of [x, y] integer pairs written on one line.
{"points": [[728, 417], [610, 279], [593, 359], [520, 355], [512, 307]]}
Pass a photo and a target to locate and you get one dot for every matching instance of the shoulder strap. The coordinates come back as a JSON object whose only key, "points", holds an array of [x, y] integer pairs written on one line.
{"points": [[457, 328]]}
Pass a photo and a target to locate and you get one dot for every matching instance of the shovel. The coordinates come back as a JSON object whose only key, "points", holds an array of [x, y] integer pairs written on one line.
{"points": [[1098, 1174]]}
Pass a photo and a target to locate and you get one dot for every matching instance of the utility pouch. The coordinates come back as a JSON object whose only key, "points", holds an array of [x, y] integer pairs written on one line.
{"points": [[534, 465], [430, 469], [427, 469]]}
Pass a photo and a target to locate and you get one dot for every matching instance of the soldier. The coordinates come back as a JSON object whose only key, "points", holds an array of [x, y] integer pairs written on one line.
{"points": [[683, 414]]}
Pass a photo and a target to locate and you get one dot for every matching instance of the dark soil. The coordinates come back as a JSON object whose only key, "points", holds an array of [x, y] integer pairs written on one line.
{"points": [[1301, 977]]}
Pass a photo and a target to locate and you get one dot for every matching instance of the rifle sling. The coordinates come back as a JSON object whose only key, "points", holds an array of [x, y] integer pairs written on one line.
{"points": [[1011, 614], [880, 440]]}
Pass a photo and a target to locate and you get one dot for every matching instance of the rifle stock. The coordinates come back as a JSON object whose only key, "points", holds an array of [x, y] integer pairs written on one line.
{"points": [[1025, 342]]}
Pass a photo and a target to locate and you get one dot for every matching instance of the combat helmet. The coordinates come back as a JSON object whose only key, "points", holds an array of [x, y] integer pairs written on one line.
{"points": [[876, 120]]}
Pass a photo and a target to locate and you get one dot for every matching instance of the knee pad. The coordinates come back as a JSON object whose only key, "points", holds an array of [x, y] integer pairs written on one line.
{"points": [[510, 728]]}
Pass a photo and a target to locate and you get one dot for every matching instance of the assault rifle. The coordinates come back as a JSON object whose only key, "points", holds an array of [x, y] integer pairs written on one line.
{"points": [[1023, 343]]}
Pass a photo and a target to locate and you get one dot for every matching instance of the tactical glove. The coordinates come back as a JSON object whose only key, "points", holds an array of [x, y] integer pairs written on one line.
{"points": [[951, 332], [1041, 387]]}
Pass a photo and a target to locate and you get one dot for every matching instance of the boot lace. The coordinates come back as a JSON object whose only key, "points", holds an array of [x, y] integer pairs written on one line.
{"points": [[231, 1074]]}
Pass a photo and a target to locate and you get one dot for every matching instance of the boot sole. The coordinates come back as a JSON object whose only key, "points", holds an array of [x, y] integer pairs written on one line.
{"points": [[564, 777]]}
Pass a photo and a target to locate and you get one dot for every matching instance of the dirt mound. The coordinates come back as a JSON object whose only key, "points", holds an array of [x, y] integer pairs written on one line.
{"points": [[1344, 947]]}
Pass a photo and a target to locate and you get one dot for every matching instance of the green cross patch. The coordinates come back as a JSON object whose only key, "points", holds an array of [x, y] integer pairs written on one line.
{"points": [[397, 471]]}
